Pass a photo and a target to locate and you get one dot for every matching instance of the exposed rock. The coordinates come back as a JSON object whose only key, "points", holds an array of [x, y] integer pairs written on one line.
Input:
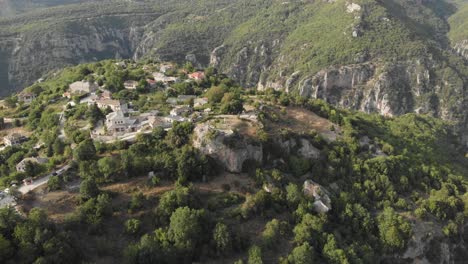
{"points": [[300, 146], [352, 7], [461, 48], [322, 203], [227, 147], [215, 57]]}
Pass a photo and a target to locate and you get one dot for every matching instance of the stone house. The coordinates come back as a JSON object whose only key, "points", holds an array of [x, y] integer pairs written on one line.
{"points": [[26, 97], [115, 105], [22, 165], [117, 123], [181, 110]]}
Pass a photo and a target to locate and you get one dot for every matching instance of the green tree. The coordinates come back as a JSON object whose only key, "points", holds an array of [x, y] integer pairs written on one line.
{"points": [[54, 183], [171, 200], [332, 253], [94, 114], [255, 255], [58, 146], [393, 229], [185, 228], [179, 134], [293, 195], [274, 230], [6, 249], [85, 151], [109, 166], [215, 94], [132, 226], [222, 239], [231, 104], [303, 254], [88, 189]]}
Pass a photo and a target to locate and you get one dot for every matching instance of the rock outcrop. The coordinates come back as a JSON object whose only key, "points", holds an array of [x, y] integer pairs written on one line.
{"points": [[234, 150], [227, 147], [461, 48]]}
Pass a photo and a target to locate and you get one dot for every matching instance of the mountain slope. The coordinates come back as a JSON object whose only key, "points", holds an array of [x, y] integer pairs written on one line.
{"points": [[390, 57]]}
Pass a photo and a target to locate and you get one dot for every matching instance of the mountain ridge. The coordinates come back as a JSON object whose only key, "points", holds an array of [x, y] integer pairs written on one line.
{"points": [[303, 47]]}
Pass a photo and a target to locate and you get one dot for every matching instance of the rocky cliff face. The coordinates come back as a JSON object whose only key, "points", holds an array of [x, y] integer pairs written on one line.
{"points": [[227, 147], [28, 56], [234, 150]]}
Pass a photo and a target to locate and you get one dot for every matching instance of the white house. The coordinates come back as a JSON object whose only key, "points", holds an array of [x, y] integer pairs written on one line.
{"points": [[83, 87], [21, 166]]}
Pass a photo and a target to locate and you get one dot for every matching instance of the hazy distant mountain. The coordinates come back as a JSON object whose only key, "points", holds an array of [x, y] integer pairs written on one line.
{"points": [[13, 7]]}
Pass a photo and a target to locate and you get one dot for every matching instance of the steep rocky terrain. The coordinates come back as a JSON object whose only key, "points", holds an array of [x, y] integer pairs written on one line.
{"points": [[390, 57]]}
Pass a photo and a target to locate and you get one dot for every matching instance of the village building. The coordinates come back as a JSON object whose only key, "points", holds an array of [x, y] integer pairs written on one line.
{"points": [[198, 76], [22, 165], [82, 87], [161, 77], [130, 85], [26, 97], [117, 123], [158, 121], [115, 105], [14, 139], [199, 102], [181, 110]]}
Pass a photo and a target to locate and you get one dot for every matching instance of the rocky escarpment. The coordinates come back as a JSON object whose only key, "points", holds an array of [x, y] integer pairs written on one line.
{"points": [[227, 147], [461, 48], [235, 150], [390, 89]]}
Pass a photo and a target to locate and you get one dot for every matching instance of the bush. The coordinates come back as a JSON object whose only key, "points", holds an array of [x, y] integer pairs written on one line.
{"points": [[132, 226], [54, 183]]}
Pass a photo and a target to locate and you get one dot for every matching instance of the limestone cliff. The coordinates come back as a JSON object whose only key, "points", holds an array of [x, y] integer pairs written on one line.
{"points": [[234, 149], [227, 147]]}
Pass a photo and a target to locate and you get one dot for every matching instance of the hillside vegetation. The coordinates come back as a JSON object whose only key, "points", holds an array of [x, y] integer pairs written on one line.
{"points": [[396, 185]]}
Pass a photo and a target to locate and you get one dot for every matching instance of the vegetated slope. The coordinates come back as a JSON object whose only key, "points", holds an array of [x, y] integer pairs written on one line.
{"points": [[390, 57], [397, 184]]}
